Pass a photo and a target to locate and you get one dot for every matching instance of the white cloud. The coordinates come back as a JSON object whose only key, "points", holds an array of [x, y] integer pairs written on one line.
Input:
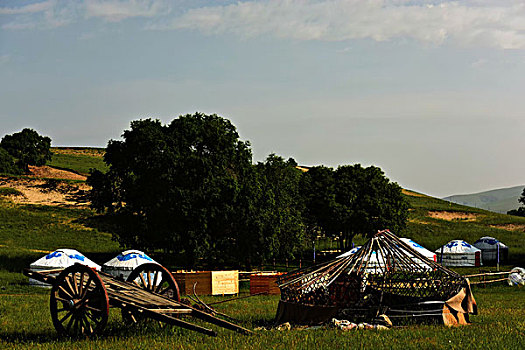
{"points": [[478, 23], [47, 14], [464, 23], [31, 8], [117, 10], [57, 13]]}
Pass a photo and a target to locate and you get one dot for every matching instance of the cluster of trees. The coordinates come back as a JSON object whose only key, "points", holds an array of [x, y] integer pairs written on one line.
{"points": [[190, 187], [521, 210], [21, 149]]}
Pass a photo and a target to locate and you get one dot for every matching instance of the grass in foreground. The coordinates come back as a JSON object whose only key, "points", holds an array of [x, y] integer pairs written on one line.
{"points": [[26, 323]]}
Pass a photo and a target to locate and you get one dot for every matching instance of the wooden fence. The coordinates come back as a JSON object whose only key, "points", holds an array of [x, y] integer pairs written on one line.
{"points": [[485, 278]]}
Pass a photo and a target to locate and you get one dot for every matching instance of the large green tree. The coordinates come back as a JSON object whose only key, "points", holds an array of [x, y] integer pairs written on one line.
{"points": [[177, 184], [8, 163], [190, 187], [28, 148], [353, 200], [269, 222], [318, 192]]}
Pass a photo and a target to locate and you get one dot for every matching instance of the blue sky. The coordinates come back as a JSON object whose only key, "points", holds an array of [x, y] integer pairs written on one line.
{"points": [[430, 91]]}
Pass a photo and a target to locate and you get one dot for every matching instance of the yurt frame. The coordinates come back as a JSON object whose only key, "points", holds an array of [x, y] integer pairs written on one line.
{"points": [[362, 290]]}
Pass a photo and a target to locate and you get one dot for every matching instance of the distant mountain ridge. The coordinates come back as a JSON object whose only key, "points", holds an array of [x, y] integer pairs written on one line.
{"points": [[499, 200]]}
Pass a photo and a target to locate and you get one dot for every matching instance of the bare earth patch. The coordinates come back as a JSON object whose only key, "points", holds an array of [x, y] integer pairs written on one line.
{"points": [[452, 215], [52, 173], [510, 227], [412, 194], [48, 191], [80, 152]]}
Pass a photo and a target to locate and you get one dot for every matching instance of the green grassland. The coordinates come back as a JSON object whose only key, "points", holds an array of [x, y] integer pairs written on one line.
{"points": [[433, 233], [78, 160], [28, 231]]}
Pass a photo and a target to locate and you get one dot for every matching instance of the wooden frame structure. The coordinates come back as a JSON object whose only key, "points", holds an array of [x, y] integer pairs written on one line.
{"points": [[81, 298], [383, 275]]}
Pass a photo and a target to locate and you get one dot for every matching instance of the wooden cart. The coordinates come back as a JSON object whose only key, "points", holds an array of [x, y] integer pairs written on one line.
{"points": [[81, 298]]}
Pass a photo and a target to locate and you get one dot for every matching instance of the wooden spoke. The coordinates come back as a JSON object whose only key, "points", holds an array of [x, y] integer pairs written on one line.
{"points": [[150, 286], [144, 285], [88, 324], [88, 283], [157, 278], [69, 294], [70, 323], [91, 308], [69, 313], [84, 307], [68, 282], [154, 286], [81, 284], [75, 284]]}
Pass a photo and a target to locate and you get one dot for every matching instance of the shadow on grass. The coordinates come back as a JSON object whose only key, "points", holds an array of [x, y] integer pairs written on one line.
{"points": [[113, 330], [18, 262]]}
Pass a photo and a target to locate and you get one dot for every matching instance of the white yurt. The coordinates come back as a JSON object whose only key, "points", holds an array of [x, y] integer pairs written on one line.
{"points": [[421, 250], [459, 253], [376, 259], [489, 250], [59, 259], [122, 265]]}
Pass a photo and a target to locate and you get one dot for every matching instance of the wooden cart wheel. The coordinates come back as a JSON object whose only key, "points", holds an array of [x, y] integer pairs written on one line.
{"points": [[79, 302], [153, 278]]}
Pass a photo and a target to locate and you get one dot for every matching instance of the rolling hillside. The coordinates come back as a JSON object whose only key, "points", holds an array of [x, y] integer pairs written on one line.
{"points": [[500, 200], [29, 228]]}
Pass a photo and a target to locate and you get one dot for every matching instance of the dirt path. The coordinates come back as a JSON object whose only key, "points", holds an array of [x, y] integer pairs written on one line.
{"points": [[44, 187]]}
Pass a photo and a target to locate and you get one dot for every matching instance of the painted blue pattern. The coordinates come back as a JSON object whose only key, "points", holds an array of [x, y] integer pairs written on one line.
{"points": [[53, 255], [456, 243], [415, 244], [451, 244], [131, 256], [59, 254], [77, 257]]}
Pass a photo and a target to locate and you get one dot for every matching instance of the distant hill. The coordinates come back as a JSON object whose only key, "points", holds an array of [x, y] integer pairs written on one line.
{"points": [[499, 201]]}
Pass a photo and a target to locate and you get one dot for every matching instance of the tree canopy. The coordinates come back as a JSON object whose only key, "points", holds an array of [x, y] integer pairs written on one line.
{"points": [[269, 221], [8, 163], [190, 187], [28, 148], [177, 183], [353, 200]]}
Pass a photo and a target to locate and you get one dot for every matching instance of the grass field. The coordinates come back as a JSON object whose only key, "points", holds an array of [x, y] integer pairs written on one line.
{"points": [[27, 232], [78, 160], [26, 324]]}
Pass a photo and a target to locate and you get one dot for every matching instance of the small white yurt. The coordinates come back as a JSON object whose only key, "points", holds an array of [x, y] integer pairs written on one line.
{"points": [[59, 259], [489, 250], [122, 265], [376, 259], [459, 253], [420, 249]]}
